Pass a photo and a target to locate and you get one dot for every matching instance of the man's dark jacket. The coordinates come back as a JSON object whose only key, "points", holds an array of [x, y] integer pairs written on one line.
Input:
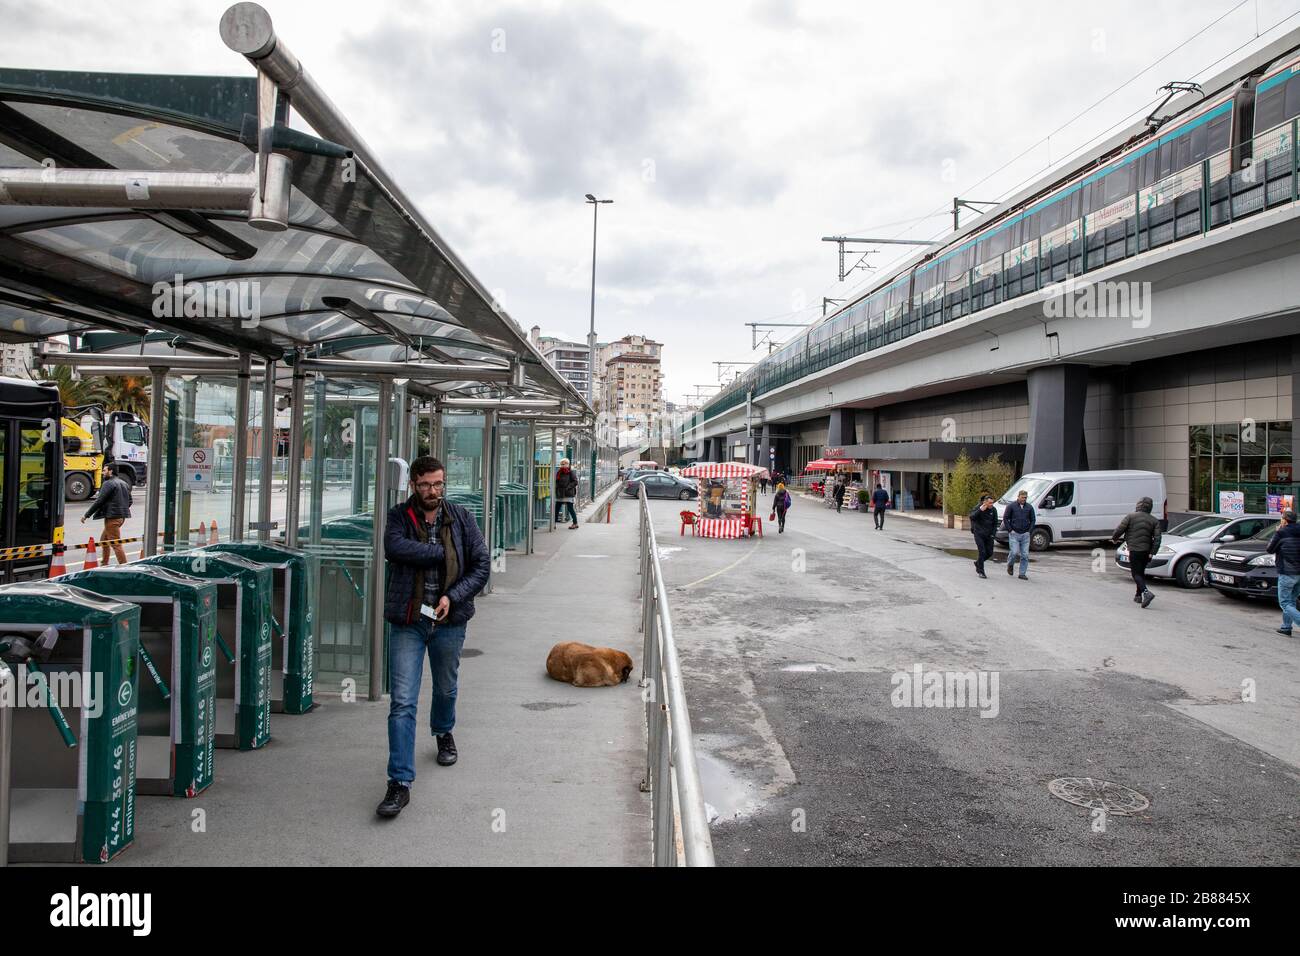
{"points": [[880, 498], [407, 555], [984, 523], [1140, 530], [1018, 518], [113, 500], [1285, 543]]}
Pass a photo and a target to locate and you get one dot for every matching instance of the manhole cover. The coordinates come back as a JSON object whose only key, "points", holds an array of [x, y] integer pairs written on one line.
{"points": [[1099, 794]]}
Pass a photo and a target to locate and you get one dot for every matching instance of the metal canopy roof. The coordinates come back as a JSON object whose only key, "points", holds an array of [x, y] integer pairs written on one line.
{"points": [[356, 275]]}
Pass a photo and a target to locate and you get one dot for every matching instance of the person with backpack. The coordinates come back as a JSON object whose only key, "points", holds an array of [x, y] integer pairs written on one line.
{"points": [[1141, 532], [879, 502], [780, 505], [113, 504]]}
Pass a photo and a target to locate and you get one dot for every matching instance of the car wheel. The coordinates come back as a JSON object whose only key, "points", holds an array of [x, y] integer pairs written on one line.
{"points": [[684, 496], [1190, 573], [76, 487], [1040, 539]]}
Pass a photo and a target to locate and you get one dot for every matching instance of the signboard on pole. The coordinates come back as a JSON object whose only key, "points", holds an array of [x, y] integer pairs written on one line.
{"points": [[197, 467]]}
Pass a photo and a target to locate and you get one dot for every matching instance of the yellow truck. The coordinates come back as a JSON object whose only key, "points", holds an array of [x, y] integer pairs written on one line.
{"points": [[83, 462]]}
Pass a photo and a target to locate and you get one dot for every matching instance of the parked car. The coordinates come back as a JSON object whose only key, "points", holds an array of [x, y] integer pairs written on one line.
{"points": [[1245, 568], [632, 474], [660, 484], [1083, 505], [1186, 548]]}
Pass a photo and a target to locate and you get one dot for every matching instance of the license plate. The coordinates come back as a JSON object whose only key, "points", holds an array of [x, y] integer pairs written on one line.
{"points": [[1222, 578]]}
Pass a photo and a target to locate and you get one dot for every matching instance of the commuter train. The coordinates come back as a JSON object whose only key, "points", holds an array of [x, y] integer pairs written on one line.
{"points": [[1225, 157]]}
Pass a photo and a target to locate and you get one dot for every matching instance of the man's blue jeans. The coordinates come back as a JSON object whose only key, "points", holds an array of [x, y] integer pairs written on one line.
{"points": [[1018, 541], [1287, 587], [407, 646]]}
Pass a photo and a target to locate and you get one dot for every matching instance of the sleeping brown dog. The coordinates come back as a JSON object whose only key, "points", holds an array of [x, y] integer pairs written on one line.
{"points": [[585, 666]]}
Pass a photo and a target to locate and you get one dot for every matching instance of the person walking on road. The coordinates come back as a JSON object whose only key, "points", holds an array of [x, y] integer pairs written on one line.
{"points": [[780, 505], [113, 504], [838, 493], [984, 526], [1285, 543], [879, 502], [437, 563], [1141, 532], [1018, 521], [566, 491], [762, 484]]}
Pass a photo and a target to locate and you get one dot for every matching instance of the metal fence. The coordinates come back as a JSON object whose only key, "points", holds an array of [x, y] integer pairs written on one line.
{"points": [[680, 824]]}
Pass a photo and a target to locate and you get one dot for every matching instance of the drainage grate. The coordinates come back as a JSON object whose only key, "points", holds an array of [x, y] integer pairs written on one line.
{"points": [[1099, 794]]}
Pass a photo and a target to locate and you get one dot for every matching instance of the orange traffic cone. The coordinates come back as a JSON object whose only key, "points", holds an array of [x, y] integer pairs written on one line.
{"points": [[92, 556], [203, 532], [213, 531], [57, 568]]}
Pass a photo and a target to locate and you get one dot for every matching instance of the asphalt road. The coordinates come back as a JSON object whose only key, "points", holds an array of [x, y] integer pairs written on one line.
{"points": [[790, 644]]}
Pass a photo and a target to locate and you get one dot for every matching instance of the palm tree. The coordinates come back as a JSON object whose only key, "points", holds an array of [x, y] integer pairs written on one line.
{"points": [[73, 392], [127, 393]]}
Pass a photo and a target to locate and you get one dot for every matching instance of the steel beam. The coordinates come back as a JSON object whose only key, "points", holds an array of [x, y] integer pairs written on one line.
{"points": [[125, 189], [414, 371], [375, 588], [297, 446], [153, 484]]}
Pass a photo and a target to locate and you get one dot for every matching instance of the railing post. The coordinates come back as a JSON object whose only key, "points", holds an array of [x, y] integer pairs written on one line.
{"points": [[665, 853]]}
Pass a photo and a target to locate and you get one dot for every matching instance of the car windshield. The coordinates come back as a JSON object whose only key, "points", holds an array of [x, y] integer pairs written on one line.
{"points": [[1033, 486], [1265, 533], [1200, 527]]}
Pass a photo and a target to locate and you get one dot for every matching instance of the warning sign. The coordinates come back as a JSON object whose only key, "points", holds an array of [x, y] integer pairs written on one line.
{"points": [[197, 465]]}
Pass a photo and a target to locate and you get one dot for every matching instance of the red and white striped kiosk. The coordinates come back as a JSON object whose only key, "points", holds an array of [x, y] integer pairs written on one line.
{"points": [[728, 498]]}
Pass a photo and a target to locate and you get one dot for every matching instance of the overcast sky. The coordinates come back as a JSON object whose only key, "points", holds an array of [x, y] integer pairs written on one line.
{"points": [[731, 135]]}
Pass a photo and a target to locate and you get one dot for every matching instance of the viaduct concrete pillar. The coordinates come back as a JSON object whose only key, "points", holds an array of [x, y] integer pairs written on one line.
{"points": [[843, 428], [1057, 397]]}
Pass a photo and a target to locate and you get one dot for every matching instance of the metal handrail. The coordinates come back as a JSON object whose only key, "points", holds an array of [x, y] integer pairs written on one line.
{"points": [[8, 699], [679, 822]]}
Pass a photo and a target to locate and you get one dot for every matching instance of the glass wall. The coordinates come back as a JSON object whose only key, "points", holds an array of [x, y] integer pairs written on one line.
{"points": [[1255, 458], [461, 435], [512, 485]]}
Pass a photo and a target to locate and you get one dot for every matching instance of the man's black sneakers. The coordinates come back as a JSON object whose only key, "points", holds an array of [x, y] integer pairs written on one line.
{"points": [[394, 800], [446, 749], [1147, 598]]}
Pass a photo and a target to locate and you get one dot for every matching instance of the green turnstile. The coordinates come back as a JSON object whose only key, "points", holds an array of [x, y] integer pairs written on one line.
{"points": [[244, 624], [178, 626], [293, 597], [72, 778]]}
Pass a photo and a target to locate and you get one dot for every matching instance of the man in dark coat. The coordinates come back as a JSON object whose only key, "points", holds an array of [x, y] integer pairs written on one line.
{"points": [[113, 504], [879, 502], [1285, 543], [838, 494], [1141, 532], [437, 562], [984, 526]]}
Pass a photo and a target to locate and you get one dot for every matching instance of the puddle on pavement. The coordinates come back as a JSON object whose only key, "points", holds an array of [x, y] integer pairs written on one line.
{"points": [[968, 553], [808, 668], [470, 652], [727, 796]]}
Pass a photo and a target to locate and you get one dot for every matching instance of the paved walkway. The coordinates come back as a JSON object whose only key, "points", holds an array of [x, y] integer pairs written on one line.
{"points": [[548, 773]]}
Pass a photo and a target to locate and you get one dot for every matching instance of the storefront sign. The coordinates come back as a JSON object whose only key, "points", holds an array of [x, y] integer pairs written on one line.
{"points": [[833, 452]]}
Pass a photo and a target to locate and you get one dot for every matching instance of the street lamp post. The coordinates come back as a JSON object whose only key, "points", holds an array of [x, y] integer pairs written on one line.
{"points": [[591, 335]]}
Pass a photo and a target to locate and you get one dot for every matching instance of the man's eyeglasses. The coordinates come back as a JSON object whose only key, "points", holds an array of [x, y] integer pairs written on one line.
{"points": [[430, 485]]}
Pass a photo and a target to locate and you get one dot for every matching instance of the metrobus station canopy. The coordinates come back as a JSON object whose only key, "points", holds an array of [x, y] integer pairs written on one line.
{"points": [[238, 226]]}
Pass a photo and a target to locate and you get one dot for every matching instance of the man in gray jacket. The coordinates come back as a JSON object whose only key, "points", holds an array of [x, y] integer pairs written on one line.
{"points": [[1141, 532]]}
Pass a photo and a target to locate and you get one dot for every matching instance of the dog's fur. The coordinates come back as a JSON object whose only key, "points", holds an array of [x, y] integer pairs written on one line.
{"points": [[585, 666]]}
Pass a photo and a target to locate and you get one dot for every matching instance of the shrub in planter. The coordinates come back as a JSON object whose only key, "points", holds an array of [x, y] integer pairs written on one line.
{"points": [[863, 498]]}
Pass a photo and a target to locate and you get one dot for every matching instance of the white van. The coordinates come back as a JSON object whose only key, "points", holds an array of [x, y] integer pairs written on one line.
{"points": [[1083, 505]]}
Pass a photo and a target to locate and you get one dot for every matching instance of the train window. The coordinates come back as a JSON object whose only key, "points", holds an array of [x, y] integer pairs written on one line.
{"points": [[1218, 135], [1292, 98], [1076, 204], [1270, 108], [1166, 160], [1119, 184], [1182, 152], [1148, 167], [1199, 142], [1050, 218]]}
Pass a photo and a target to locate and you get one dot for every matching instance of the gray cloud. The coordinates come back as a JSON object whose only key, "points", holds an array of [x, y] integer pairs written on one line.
{"points": [[572, 99]]}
